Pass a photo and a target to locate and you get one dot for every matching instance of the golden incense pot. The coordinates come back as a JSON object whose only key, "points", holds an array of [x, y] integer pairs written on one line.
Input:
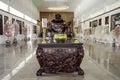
{"points": [[60, 37]]}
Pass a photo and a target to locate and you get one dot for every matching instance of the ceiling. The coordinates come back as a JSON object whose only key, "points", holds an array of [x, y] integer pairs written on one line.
{"points": [[84, 5], [91, 6], [44, 4]]}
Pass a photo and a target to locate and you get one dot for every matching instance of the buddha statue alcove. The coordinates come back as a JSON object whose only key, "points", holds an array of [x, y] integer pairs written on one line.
{"points": [[58, 26]]}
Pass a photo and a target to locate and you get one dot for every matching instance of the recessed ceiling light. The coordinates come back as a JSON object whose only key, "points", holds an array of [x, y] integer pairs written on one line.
{"points": [[58, 8]]}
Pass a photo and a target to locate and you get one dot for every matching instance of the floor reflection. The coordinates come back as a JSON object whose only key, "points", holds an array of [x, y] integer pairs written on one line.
{"points": [[106, 56], [19, 63], [11, 57]]}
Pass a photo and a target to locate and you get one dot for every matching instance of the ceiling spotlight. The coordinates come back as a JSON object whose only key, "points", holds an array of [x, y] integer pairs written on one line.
{"points": [[58, 8]]}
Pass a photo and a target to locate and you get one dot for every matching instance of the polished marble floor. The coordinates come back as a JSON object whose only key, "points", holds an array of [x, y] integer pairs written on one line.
{"points": [[19, 62]]}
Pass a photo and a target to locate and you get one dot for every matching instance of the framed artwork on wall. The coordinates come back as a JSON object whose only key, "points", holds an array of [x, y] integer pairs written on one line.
{"points": [[94, 23], [106, 20], [34, 29], [1, 25], [100, 22], [20, 26], [13, 20], [5, 19], [90, 24], [115, 21]]}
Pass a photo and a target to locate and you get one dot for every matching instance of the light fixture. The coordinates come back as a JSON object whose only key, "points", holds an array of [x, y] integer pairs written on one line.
{"points": [[58, 8]]}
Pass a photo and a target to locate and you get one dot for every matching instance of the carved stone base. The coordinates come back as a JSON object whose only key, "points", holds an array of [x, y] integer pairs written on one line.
{"points": [[40, 71], [55, 60]]}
